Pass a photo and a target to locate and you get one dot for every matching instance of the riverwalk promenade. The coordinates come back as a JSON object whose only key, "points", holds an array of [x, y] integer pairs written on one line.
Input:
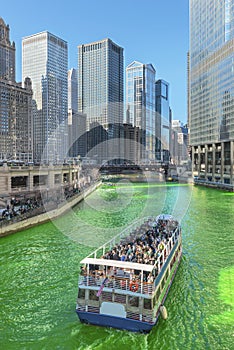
{"points": [[217, 185], [46, 212]]}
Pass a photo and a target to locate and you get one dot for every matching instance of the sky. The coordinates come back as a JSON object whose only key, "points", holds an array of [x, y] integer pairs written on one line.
{"points": [[150, 31]]}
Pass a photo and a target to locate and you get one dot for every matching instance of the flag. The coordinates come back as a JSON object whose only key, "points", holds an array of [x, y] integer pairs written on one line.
{"points": [[101, 287]]}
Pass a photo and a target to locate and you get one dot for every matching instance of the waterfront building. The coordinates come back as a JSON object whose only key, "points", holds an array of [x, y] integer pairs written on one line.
{"points": [[211, 88], [140, 104], [98, 147], [45, 61], [16, 139], [20, 180], [163, 121], [100, 88], [132, 143], [7, 53], [179, 143]]}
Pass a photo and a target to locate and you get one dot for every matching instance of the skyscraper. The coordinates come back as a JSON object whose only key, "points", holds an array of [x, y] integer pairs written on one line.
{"points": [[163, 121], [45, 61], [140, 104], [16, 139], [72, 90], [77, 135], [211, 89], [7, 53], [179, 142], [100, 86]]}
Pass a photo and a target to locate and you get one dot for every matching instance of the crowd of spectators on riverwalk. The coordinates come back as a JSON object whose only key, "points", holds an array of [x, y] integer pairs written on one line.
{"points": [[17, 209]]}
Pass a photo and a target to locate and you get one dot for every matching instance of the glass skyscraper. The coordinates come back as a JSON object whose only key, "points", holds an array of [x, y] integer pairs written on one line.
{"points": [[163, 121], [140, 104], [100, 87], [72, 90], [211, 89], [45, 61]]}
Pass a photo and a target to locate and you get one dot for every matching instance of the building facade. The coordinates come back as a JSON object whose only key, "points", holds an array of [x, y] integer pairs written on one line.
{"points": [[72, 90], [211, 89], [77, 134], [140, 104], [7, 53], [179, 143], [163, 121], [132, 143], [45, 61], [16, 129], [100, 88], [16, 133]]}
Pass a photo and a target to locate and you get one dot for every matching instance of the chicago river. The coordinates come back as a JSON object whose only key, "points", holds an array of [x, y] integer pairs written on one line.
{"points": [[40, 267]]}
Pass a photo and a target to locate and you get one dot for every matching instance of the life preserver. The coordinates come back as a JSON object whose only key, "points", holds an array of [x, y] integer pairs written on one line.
{"points": [[134, 286], [161, 246]]}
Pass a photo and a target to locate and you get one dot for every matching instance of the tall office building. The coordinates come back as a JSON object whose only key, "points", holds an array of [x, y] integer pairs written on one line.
{"points": [[140, 104], [16, 139], [211, 106], [179, 143], [163, 121], [72, 90], [132, 143], [100, 88], [45, 61], [77, 135], [7, 53]]}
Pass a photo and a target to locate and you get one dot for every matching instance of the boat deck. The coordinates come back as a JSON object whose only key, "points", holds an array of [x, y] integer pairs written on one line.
{"points": [[134, 263]]}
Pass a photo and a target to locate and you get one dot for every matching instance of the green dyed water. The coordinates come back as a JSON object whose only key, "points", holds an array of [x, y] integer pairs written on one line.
{"points": [[39, 272]]}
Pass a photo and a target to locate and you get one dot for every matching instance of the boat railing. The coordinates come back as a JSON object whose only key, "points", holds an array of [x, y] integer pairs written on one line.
{"points": [[167, 249], [118, 283], [122, 283]]}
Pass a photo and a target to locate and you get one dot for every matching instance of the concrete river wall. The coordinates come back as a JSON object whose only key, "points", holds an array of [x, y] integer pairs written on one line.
{"points": [[49, 215]]}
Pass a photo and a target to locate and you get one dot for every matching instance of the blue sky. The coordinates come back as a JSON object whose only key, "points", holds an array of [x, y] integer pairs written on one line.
{"points": [[150, 31]]}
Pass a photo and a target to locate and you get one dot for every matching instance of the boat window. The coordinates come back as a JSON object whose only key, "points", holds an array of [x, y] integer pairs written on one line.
{"points": [[119, 298], [106, 296], [133, 301], [81, 293], [93, 295], [147, 304]]}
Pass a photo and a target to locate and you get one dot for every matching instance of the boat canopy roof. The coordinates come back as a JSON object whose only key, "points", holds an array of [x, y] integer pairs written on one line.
{"points": [[118, 263], [165, 217]]}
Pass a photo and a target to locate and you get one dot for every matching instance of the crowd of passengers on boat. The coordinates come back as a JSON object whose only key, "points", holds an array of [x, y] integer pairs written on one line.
{"points": [[144, 246]]}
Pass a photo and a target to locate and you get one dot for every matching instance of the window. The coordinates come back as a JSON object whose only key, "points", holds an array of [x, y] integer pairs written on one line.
{"points": [[133, 301], [81, 293], [93, 295], [147, 304]]}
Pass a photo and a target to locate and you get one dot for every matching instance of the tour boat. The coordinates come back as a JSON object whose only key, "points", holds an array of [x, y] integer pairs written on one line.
{"points": [[124, 283]]}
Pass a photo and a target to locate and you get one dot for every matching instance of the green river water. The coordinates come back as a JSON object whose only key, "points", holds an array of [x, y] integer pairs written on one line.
{"points": [[40, 266]]}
